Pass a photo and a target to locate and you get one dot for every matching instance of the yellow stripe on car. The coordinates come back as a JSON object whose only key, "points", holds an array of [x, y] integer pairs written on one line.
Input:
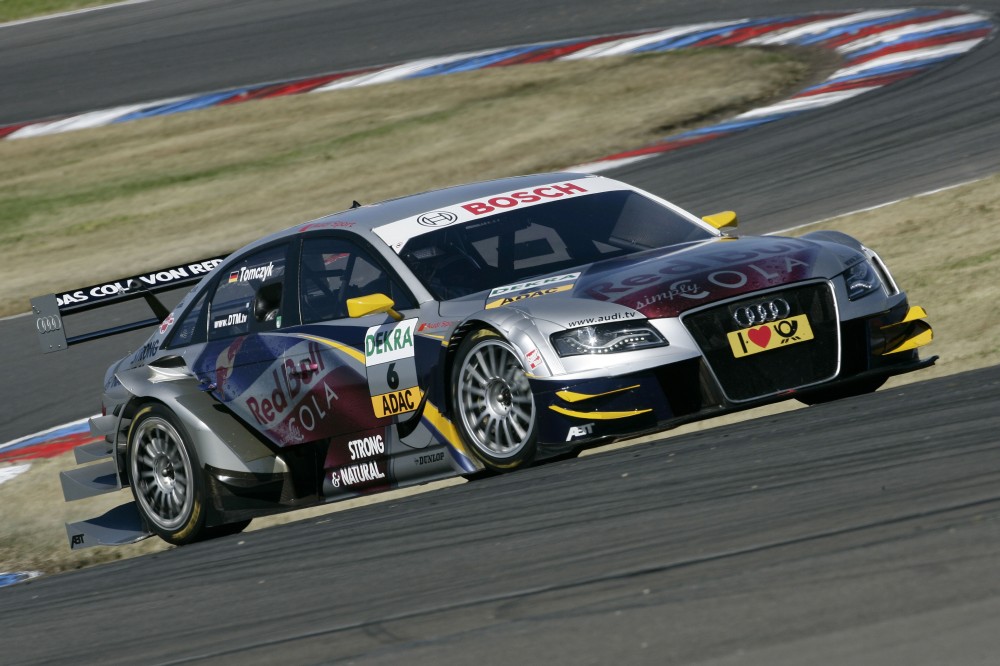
{"points": [[356, 354], [913, 314], [444, 426], [600, 416], [918, 332], [573, 396]]}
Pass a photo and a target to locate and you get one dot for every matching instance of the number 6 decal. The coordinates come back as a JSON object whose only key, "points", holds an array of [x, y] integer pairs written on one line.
{"points": [[391, 368]]}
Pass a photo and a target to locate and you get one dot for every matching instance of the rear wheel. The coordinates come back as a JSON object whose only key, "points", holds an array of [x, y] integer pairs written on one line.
{"points": [[493, 403], [166, 476]]}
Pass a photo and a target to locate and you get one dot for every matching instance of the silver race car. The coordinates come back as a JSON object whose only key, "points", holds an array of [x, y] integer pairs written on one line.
{"points": [[463, 331]]}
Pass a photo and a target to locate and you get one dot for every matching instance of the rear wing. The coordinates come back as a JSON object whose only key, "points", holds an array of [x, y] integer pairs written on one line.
{"points": [[50, 310]]}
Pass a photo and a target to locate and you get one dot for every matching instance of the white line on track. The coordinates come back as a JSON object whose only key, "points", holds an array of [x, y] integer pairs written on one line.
{"points": [[796, 104], [916, 28], [915, 55], [800, 32], [84, 120], [881, 205], [15, 442], [8, 473], [399, 72], [8, 578], [73, 12], [627, 45]]}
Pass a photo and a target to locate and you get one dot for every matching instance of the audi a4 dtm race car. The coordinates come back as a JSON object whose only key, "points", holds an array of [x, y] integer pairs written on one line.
{"points": [[469, 330]]}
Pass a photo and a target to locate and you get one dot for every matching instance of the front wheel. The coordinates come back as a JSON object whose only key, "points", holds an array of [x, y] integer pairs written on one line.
{"points": [[493, 403], [166, 476]]}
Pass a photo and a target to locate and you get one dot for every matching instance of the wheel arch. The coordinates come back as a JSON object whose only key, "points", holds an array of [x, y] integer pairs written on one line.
{"points": [[509, 323], [462, 331], [494, 460], [221, 439]]}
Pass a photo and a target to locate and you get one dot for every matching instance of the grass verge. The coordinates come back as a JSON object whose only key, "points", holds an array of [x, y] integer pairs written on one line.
{"points": [[107, 202]]}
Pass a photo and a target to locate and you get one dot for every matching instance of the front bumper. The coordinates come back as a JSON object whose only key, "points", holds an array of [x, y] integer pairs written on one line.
{"points": [[595, 411]]}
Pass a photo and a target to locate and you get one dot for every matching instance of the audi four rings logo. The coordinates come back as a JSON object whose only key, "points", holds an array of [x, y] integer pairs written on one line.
{"points": [[761, 313], [48, 324], [440, 218]]}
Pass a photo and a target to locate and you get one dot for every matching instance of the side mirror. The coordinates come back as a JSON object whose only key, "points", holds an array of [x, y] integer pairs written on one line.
{"points": [[372, 304], [726, 218]]}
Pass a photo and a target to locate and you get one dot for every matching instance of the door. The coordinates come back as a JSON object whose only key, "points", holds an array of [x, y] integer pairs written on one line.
{"points": [[369, 360], [243, 360]]}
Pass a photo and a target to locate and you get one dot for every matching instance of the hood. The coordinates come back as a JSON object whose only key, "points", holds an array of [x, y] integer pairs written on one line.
{"points": [[669, 281]]}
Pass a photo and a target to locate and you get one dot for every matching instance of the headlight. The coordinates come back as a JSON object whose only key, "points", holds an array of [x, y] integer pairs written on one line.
{"points": [[861, 280], [606, 339]]}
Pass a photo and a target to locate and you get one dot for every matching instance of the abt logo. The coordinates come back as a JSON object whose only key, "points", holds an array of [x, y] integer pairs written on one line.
{"points": [[580, 431]]}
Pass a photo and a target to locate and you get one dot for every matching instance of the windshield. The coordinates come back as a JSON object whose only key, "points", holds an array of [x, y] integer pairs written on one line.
{"points": [[459, 260]]}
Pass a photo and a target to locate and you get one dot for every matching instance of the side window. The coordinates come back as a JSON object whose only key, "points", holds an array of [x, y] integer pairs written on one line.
{"points": [[334, 270], [191, 328], [248, 297]]}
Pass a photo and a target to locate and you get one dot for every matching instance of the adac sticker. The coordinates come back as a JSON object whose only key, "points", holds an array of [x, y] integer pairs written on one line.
{"points": [[397, 402], [532, 284], [528, 294], [389, 342]]}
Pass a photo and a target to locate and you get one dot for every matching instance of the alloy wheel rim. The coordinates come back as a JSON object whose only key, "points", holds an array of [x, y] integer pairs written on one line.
{"points": [[495, 400], [162, 473]]}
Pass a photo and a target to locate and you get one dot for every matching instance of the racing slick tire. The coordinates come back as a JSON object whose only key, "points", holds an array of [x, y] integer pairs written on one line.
{"points": [[840, 392], [492, 402], [166, 476]]}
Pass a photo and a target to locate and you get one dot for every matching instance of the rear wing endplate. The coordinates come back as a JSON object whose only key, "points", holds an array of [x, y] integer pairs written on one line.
{"points": [[50, 310]]}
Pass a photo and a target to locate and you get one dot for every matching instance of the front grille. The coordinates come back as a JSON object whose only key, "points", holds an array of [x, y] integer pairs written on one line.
{"points": [[776, 370]]}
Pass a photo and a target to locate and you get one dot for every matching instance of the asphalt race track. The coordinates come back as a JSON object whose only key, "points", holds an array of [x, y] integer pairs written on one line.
{"points": [[755, 543], [864, 531]]}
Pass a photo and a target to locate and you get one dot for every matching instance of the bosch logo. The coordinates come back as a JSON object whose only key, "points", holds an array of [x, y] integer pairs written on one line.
{"points": [[761, 313], [48, 324], [440, 218]]}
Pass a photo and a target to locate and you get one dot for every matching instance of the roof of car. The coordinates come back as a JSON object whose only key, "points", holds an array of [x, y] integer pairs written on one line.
{"points": [[368, 217]]}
